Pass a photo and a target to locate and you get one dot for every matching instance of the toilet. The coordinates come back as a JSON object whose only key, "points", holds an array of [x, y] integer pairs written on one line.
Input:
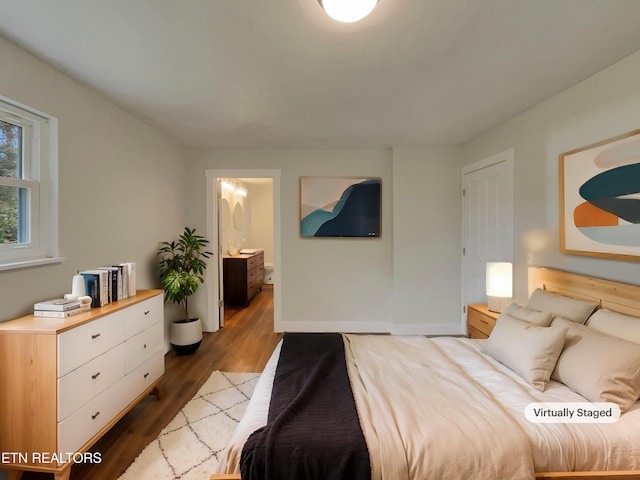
{"points": [[268, 273]]}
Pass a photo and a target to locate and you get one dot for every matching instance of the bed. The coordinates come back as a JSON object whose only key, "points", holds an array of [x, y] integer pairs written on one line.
{"points": [[454, 407]]}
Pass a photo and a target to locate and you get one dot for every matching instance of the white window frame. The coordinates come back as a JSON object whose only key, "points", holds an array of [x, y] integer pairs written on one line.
{"points": [[40, 164]]}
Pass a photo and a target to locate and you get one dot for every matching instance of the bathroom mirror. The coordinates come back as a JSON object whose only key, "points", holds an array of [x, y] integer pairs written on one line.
{"points": [[225, 215], [237, 216]]}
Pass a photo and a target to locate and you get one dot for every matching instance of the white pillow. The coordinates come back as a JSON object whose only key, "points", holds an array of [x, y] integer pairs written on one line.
{"points": [[599, 367], [560, 306], [542, 319], [527, 349], [616, 324]]}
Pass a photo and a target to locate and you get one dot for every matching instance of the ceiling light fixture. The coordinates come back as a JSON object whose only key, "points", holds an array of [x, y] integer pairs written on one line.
{"points": [[348, 11]]}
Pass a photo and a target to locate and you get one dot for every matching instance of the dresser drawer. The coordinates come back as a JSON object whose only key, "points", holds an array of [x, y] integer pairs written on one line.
{"points": [[141, 347], [84, 423], [144, 314], [252, 289], [87, 381], [251, 276], [66, 379], [243, 277], [143, 376], [475, 333], [480, 324], [256, 261], [81, 344]]}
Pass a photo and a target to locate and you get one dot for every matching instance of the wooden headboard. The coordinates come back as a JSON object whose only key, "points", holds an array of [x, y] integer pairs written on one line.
{"points": [[615, 296]]}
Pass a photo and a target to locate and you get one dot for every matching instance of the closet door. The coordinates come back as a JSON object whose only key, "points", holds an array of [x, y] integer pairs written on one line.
{"points": [[487, 221]]}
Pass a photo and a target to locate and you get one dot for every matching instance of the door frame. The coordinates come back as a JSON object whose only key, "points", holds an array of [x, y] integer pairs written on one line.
{"points": [[507, 156], [212, 208]]}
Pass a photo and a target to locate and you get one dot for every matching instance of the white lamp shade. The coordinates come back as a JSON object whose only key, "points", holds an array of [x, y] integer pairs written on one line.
{"points": [[348, 11], [499, 279], [499, 285]]}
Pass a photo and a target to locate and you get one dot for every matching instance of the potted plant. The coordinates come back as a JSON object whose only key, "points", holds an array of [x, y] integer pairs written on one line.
{"points": [[182, 264]]}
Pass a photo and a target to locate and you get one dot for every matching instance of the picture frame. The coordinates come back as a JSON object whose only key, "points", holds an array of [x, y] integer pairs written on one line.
{"points": [[600, 199], [340, 207]]}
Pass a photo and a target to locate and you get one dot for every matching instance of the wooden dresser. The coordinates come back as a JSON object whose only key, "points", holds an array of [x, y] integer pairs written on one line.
{"points": [[243, 277], [66, 381], [480, 321]]}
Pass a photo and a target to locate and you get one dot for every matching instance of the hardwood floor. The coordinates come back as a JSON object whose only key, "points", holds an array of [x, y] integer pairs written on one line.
{"points": [[243, 345]]}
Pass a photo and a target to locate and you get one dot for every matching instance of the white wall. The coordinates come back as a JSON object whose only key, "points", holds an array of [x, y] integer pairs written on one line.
{"points": [[121, 188], [601, 107], [326, 284], [333, 284], [427, 205], [261, 197]]}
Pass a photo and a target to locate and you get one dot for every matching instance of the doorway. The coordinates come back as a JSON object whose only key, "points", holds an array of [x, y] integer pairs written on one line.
{"points": [[487, 222], [243, 211]]}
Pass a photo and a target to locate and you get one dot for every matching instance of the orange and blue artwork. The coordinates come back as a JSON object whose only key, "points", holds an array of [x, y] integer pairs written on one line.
{"points": [[601, 199]]}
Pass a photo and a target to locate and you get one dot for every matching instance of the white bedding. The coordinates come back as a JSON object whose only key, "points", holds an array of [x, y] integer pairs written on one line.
{"points": [[439, 408]]}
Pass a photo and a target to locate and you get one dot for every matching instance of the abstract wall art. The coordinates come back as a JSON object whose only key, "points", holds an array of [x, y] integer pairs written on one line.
{"points": [[340, 206], [600, 199]]}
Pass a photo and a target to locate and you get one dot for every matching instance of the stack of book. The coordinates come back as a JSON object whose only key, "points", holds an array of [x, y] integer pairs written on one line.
{"points": [[56, 308], [110, 284]]}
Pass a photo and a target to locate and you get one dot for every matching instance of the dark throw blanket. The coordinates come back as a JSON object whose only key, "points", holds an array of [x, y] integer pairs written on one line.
{"points": [[313, 431]]}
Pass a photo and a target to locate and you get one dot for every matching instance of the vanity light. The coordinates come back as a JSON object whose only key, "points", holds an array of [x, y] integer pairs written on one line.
{"points": [[231, 187], [499, 285], [226, 185], [348, 11]]}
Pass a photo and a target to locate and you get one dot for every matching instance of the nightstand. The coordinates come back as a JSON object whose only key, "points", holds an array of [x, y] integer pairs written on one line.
{"points": [[480, 321]]}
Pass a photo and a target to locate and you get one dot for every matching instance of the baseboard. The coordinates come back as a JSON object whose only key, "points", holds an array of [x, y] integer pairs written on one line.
{"points": [[429, 329]]}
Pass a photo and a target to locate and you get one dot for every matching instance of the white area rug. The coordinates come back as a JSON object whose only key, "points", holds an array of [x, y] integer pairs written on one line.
{"points": [[190, 446]]}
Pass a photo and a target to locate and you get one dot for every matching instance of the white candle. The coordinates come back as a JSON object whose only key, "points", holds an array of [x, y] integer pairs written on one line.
{"points": [[77, 286]]}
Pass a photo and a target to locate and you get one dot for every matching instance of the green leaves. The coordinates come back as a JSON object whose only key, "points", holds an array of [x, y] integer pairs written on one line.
{"points": [[10, 148], [182, 264]]}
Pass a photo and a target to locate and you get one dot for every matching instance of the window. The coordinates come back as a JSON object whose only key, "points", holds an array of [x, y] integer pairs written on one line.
{"points": [[28, 186]]}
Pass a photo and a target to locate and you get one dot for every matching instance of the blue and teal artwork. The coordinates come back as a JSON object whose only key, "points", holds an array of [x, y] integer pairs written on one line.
{"points": [[340, 207]]}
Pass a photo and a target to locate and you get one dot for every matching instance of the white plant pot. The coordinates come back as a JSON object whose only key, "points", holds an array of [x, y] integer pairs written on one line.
{"points": [[185, 337]]}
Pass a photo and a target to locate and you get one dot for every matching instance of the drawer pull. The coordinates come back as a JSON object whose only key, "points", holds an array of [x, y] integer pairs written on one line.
{"points": [[146, 375], [95, 415], [145, 345], [95, 375], [94, 336], [147, 312]]}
